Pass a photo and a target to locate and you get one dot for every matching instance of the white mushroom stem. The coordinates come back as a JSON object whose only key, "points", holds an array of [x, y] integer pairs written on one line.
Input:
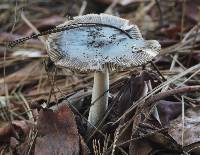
{"points": [[99, 96]]}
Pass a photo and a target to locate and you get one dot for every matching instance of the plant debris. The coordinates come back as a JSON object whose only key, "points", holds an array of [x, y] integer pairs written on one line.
{"points": [[153, 109]]}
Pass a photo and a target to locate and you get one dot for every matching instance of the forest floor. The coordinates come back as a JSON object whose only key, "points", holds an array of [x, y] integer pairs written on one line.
{"points": [[30, 88]]}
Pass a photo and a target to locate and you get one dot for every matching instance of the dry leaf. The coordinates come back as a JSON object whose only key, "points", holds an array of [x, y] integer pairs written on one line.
{"points": [[8, 130], [191, 127], [57, 133], [168, 110]]}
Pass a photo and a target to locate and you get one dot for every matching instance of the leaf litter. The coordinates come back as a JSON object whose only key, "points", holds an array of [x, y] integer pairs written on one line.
{"points": [[30, 89], [57, 132]]}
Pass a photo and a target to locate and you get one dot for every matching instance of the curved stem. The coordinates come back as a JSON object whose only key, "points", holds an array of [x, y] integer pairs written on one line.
{"points": [[99, 96]]}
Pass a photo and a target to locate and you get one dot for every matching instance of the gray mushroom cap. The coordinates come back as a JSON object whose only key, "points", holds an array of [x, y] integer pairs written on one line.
{"points": [[90, 48]]}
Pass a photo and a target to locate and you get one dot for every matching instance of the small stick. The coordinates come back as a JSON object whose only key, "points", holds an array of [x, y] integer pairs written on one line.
{"points": [[83, 7], [167, 93], [63, 28], [158, 71], [183, 120]]}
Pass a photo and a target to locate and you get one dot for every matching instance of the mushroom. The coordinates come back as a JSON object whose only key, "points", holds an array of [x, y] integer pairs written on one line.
{"points": [[100, 44]]}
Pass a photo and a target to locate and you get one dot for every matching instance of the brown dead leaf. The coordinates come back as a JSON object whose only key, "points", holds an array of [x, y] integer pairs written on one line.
{"points": [[153, 141], [13, 142], [84, 148], [15, 129], [133, 90], [191, 127], [57, 133], [193, 149], [192, 12], [168, 110], [5, 132], [171, 31], [142, 147]]}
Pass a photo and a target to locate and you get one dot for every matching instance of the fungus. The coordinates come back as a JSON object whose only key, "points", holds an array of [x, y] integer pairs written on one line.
{"points": [[100, 44]]}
